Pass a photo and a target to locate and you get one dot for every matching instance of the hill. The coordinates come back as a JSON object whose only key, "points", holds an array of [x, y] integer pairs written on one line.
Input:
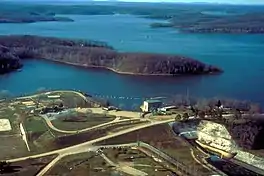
{"points": [[96, 54]]}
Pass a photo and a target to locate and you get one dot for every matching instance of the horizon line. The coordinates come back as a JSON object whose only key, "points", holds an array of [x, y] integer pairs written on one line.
{"points": [[131, 1]]}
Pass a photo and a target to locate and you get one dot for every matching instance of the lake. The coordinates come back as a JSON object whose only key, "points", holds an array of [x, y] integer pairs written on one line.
{"points": [[239, 55]]}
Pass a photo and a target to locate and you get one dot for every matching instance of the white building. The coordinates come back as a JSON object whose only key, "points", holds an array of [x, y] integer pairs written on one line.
{"points": [[151, 105]]}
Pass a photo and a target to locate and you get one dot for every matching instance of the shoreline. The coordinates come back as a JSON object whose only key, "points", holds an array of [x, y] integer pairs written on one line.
{"points": [[125, 73]]}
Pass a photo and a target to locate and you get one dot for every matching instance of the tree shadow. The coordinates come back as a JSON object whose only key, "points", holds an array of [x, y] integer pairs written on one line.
{"points": [[10, 169]]}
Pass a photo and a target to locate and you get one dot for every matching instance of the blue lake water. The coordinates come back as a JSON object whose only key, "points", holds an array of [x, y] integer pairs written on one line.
{"points": [[240, 56]]}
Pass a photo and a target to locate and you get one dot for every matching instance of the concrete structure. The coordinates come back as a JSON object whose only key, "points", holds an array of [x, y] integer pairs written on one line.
{"points": [[24, 135], [167, 108], [217, 137], [151, 105], [54, 96], [5, 125]]}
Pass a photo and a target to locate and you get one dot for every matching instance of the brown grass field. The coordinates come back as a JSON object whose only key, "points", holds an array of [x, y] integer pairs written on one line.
{"points": [[136, 159], [161, 137], [29, 167], [83, 164]]}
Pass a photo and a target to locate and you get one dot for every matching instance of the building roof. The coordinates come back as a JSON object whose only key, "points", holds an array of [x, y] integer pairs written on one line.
{"points": [[169, 107], [153, 101]]}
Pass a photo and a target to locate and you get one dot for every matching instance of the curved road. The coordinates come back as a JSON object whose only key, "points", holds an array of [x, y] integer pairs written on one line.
{"points": [[50, 125]]}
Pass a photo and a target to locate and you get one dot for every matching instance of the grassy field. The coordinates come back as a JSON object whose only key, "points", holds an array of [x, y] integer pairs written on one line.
{"points": [[35, 124], [83, 164], [161, 137], [136, 159], [12, 147], [41, 139], [38, 134], [69, 140], [78, 121], [12, 114], [69, 99]]}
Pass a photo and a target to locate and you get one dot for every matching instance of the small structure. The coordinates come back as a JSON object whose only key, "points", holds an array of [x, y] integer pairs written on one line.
{"points": [[28, 103], [54, 96], [5, 125], [151, 105], [167, 108], [54, 109]]}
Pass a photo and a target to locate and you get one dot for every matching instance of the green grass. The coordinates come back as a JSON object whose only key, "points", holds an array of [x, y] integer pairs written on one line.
{"points": [[12, 114], [184, 156], [42, 142], [39, 136], [35, 124], [87, 120], [72, 100], [181, 154], [69, 99], [12, 147]]}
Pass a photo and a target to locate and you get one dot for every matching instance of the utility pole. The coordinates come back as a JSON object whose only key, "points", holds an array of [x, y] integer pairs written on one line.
{"points": [[187, 96], [138, 142], [89, 171]]}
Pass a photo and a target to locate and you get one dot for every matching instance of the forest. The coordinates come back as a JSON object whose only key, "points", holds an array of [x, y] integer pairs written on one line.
{"points": [[98, 54], [8, 61]]}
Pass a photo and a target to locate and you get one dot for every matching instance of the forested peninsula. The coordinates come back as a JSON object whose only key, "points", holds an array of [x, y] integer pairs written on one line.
{"points": [[30, 17], [16, 48]]}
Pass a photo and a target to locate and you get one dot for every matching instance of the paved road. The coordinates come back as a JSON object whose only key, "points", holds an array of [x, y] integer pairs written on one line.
{"points": [[108, 160], [47, 167]]}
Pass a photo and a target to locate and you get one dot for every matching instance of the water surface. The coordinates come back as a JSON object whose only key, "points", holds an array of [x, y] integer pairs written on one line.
{"points": [[239, 55]]}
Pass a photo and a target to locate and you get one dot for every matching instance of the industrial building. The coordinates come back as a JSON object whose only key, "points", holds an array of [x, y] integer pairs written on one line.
{"points": [[151, 105]]}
